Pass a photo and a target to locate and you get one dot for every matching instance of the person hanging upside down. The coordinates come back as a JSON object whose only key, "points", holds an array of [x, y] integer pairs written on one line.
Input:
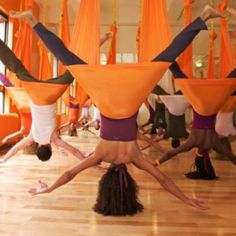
{"points": [[43, 129], [204, 137], [117, 145]]}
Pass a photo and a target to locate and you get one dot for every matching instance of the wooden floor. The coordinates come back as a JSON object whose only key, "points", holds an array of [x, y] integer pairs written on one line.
{"points": [[68, 210]]}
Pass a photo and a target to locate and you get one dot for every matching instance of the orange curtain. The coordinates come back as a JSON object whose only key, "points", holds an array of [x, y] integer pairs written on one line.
{"points": [[154, 29], [185, 59], [227, 61], [111, 59]]}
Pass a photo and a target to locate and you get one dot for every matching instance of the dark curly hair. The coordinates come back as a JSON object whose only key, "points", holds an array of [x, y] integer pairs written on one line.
{"points": [[115, 198]]}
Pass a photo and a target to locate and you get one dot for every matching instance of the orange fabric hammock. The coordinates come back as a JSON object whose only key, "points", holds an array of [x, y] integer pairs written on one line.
{"points": [[21, 100], [85, 38], [23, 43], [64, 31], [111, 59], [115, 97], [154, 29], [230, 105], [226, 54], [211, 61], [65, 36], [19, 97], [45, 65], [207, 96], [86, 35], [47, 94], [185, 60]]}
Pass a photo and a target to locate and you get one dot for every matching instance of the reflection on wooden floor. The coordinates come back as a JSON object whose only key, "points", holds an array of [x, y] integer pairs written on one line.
{"points": [[67, 211]]}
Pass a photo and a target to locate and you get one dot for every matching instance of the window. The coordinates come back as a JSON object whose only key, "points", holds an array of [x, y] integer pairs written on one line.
{"points": [[3, 30]]}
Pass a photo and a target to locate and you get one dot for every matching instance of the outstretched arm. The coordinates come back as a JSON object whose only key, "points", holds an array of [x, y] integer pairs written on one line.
{"points": [[17, 134], [151, 142], [16, 148], [66, 176], [60, 143], [182, 148], [167, 183]]}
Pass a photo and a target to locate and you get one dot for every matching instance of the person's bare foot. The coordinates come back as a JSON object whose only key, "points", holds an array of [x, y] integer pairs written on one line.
{"points": [[26, 16], [209, 13], [2, 19]]}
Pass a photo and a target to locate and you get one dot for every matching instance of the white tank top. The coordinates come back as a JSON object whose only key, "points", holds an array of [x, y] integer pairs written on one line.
{"points": [[224, 124], [43, 122], [176, 104]]}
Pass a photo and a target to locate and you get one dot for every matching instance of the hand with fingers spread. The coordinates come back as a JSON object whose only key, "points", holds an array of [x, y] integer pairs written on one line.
{"points": [[41, 188], [197, 203]]}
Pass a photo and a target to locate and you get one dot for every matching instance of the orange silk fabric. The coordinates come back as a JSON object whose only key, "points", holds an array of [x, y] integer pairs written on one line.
{"points": [[19, 97], [119, 90], [44, 93], [207, 96]]}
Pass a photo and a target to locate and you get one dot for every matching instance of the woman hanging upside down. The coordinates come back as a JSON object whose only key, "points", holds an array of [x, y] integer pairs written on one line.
{"points": [[117, 145]]}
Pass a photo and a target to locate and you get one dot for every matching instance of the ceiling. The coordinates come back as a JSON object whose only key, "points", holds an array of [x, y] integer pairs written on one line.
{"points": [[127, 18]]}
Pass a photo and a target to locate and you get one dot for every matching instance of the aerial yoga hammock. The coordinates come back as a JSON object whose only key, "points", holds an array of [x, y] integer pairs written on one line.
{"points": [[116, 146], [203, 135], [42, 106], [206, 108]]}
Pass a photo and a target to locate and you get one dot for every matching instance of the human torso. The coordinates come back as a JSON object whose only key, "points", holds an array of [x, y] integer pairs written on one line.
{"points": [[117, 152], [43, 122]]}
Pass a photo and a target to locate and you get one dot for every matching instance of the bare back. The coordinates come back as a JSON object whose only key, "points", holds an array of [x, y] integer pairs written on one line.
{"points": [[117, 152]]}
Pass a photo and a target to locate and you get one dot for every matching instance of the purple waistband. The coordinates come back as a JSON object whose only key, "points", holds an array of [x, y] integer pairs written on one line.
{"points": [[5, 81], [118, 129], [203, 122]]}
